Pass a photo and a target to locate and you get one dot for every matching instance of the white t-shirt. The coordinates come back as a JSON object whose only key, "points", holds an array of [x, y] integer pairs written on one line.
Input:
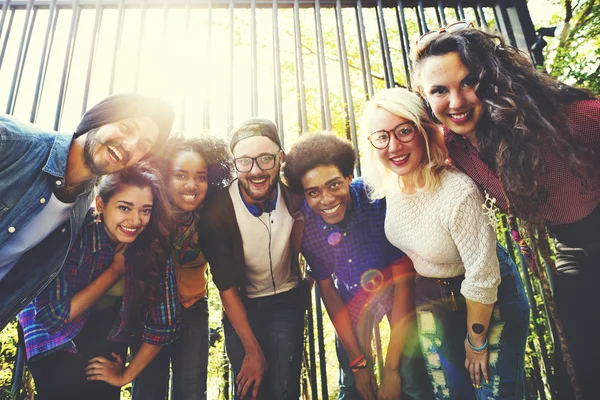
{"points": [[267, 247], [51, 217]]}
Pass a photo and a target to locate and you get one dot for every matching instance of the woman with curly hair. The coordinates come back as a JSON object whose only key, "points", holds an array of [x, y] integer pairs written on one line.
{"points": [[117, 284], [472, 312], [361, 276], [533, 145], [194, 170]]}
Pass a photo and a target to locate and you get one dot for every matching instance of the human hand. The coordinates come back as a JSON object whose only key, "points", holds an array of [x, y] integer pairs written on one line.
{"points": [[366, 383], [390, 385], [476, 363], [252, 372], [101, 369], [118, 262]]}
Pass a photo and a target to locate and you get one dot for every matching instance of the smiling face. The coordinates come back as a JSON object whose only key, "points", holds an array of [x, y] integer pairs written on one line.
{"points": [[258, 185], [127, 213], [120, 144], [450, 89], [327, 192], [401, 158], [188, 180]]}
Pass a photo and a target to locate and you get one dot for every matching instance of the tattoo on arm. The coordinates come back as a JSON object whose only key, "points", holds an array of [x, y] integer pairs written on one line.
{"points": [[478, 328]]}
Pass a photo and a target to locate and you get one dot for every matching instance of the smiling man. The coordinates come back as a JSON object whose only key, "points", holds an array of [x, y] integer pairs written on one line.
{"points": [[47, 181], [360, 274], [251, 240]]}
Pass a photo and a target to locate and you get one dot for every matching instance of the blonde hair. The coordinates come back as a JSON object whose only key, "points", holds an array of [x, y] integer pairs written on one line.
{"points": [[405, 104]]}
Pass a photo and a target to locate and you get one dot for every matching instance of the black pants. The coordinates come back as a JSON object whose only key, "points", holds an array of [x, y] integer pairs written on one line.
{"points": [[61, 375], [576, 294]]}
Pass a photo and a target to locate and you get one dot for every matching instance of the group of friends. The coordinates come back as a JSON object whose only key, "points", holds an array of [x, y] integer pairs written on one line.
{"points": [[412, 240]]}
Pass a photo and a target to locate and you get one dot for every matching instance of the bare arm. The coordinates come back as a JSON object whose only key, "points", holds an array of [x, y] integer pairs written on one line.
{"points": [[254, 364], [88, 296], [402, 317], [478, 321], [366, 383], [115, 373]]}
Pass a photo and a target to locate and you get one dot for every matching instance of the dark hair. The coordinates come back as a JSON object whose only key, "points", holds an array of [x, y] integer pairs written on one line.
{"points": [[313, 150], [214, 151], [152, 247], [518, 124]]}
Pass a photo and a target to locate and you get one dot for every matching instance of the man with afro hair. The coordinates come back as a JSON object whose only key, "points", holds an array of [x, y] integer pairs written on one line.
{"points": [[361, 276]]}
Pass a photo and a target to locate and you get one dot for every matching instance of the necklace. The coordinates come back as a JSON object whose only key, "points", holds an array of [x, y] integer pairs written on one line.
{"points": [[489, 203]]}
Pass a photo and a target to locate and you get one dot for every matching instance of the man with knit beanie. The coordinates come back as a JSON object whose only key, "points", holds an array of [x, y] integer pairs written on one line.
{"points": [[251, 236], [47, 180]]}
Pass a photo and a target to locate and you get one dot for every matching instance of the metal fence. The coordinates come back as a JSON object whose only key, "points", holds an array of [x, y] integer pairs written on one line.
{"points": [[308, 65]]}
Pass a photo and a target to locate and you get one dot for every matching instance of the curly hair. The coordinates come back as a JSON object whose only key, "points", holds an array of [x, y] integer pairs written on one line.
{"points": [[520, 103], [316, 149], [214, 151], [153, 246], [405, 104]]}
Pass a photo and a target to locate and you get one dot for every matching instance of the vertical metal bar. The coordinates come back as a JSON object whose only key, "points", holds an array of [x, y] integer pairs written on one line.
{"points": [[404, 41], [184, 96], [138, 58], [18, 65], [312, 372], [349, 105], [481, 15], [438, 17], [321, 341], [323, 87], [421, 16], [18, 74], [165, 10], [254, 59], [277, 75], [461, 10], [206, 105], [116, 46], [5, 43], [5, 5], [95, 33], [385, 48], [365, 62], [67, 64], [302, 120], [230, 91], [46, 50], [441, 12]]}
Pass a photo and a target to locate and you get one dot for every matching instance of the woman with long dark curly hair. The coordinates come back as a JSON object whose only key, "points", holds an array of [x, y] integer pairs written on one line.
{"points": [[117, 284], [532, 144], [194, 170]]}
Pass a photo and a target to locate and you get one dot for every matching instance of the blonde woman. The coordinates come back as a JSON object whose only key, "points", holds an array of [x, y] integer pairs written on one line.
{"points": [[472, 311]]}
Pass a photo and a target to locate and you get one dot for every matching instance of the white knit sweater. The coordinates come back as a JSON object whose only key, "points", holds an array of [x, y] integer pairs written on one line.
{"points": [[446, 234]]}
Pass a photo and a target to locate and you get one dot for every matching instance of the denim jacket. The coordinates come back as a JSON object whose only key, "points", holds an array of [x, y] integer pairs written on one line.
{"points": [[32, 165]]}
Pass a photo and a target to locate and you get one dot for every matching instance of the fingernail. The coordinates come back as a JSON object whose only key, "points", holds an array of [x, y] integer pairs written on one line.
{"points": [[487, 381]]}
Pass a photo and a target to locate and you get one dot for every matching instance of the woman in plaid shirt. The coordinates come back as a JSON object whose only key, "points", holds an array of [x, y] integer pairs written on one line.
{"points": [[532, 144], [113, 288]]}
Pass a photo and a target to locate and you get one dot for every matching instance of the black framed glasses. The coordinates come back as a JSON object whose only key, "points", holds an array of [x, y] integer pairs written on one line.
{"points": [[264, 162], [453, 27], [404, 132]]}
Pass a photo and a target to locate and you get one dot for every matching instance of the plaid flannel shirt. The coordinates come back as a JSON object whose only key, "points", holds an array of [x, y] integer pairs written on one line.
{"points": [[44, 321], [358, 256]]}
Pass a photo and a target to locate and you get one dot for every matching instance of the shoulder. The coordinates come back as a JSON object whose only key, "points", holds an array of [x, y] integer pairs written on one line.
{"points": [[456, 183], [583, 116], [293, 201], [13, 129]]}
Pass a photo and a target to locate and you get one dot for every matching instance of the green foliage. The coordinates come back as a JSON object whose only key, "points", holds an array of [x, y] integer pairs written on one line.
{"points": [[576, 59]]}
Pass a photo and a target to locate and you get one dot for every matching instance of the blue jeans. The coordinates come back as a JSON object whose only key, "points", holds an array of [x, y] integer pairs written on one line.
{"points": [[413, 374], [189, 357], [442, 333], [278, 323]]}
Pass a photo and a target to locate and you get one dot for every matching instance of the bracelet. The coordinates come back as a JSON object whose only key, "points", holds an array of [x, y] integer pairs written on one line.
{"points": [[485, 345], [357, 360], [362, 364]]}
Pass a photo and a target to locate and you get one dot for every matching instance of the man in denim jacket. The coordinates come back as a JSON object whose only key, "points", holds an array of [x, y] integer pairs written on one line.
{"points": [[47, 180]]}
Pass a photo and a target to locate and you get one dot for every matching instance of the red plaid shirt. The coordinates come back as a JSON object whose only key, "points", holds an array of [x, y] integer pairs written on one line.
{"points": [[568, 200]]}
